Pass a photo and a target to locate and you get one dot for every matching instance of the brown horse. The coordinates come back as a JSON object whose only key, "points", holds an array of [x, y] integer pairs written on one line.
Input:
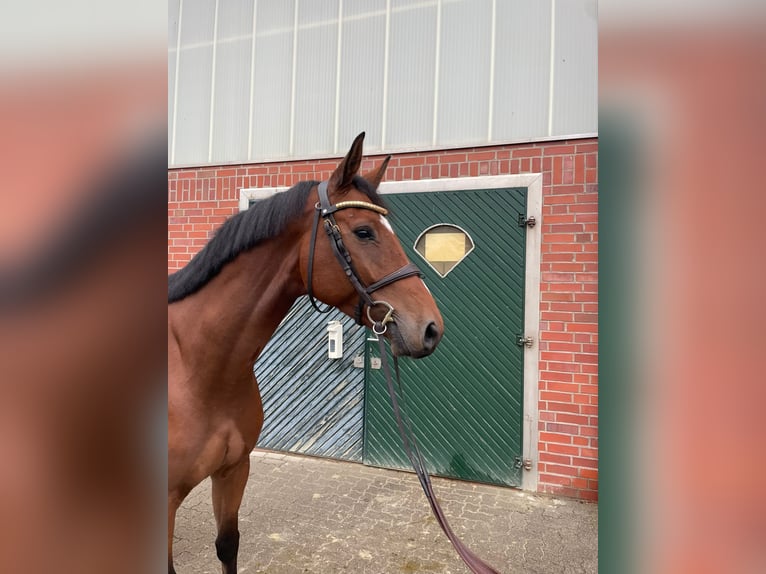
{"points": [[228, 301]]}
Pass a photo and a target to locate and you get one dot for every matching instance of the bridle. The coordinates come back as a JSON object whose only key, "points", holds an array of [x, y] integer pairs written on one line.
{"points": [[325, 210]]}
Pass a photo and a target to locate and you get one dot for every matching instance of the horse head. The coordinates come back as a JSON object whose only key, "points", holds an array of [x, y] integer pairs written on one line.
{"points": [[362, 269]]}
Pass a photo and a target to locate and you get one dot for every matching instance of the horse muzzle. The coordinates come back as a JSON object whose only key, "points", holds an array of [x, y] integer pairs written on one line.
{"points": [[415, 342]]}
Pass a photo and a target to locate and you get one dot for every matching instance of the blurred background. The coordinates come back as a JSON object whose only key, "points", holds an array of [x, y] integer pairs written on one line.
{"points": [[83, 110], [82, 286], [681, 122]]}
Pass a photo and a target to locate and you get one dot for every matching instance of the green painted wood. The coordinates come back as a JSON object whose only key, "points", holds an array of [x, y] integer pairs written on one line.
{"points": [[466, 399]]}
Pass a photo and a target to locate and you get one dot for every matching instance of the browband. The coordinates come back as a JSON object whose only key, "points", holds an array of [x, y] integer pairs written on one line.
{"points": [[327, 208]]}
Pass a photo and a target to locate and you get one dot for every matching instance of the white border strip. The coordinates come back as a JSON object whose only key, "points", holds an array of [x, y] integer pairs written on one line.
{"points": [[255, 194], [338, 62], [252, 86], [437, 57], [293, 80], [493, 48], [552, 68], [385, 77], [175, 85], [212, 86]]}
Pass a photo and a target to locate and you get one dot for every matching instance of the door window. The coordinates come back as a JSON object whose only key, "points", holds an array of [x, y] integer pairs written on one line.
{"points": [[443, 246]]}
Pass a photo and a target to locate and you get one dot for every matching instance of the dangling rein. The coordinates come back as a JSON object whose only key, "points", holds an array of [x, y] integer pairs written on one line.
{"points": [[476, 564], [324, 210]]}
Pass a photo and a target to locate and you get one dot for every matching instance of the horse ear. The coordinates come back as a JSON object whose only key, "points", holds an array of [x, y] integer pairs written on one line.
{"points": [[376, 176], [341, 178]]}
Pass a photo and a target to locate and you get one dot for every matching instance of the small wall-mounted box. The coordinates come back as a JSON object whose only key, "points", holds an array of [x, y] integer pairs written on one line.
{"points": [[335, 340]]}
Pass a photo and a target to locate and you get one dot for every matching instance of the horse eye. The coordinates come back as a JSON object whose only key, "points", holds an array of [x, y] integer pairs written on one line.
{"points": [[364, 233]]}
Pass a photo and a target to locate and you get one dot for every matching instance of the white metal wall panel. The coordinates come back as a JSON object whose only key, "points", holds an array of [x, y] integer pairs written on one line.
{"points": [[195, 68], [412, 62], [464, 72], [231, 99], [315, 77], [272, 85], [413, 74], [575, 91], [522, 70], [173, 7], [362, 73]]}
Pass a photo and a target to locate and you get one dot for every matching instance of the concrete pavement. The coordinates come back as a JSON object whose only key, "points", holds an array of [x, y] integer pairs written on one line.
{"points": [[311, 515]]}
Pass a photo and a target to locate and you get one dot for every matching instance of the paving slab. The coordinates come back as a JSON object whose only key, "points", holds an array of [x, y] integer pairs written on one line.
{"points": [[312, 515]]}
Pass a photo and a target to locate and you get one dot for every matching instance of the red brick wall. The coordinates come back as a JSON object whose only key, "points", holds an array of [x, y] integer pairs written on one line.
{"points": [[200, 199]]}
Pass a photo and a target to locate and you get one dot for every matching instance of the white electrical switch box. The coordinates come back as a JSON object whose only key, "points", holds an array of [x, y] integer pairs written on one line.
{"points": [[335, 340]]}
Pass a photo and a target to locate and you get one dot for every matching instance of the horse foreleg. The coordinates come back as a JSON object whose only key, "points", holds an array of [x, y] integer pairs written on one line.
{"points": [[228, 488], [174, 501], [171, 526]]}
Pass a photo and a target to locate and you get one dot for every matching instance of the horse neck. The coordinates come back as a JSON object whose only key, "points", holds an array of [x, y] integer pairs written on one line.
{"points": [[226, 325]]}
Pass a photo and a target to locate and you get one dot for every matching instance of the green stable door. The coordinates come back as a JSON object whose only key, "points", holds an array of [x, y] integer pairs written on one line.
{"points": [[466, 399]]}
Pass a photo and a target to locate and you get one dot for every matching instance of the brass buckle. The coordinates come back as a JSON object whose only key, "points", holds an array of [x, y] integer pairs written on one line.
{"points": [[389, 316]]}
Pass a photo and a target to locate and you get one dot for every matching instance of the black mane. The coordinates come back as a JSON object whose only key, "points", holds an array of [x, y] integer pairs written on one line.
{"points": [[243, 231]]}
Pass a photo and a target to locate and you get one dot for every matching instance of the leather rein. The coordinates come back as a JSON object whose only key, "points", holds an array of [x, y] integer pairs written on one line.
{"points": [[407, 434], [325, 210]]}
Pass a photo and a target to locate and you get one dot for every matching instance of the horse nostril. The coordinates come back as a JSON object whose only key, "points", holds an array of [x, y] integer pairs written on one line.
{"points": [[431, 336]]}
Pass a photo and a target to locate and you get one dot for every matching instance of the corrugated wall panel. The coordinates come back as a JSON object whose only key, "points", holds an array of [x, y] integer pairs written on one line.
{"points": [[232, 80], [575, 73], [411, 74], [274, 25], [464, 69], [312, 404], [522, 70], [173, 8], [195, 70], [414, 75], [315, 77], [362, 73]]}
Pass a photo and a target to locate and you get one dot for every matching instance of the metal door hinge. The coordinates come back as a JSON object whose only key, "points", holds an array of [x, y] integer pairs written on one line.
{"points": [[523, 341], [525, 463], [525, 221]]}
